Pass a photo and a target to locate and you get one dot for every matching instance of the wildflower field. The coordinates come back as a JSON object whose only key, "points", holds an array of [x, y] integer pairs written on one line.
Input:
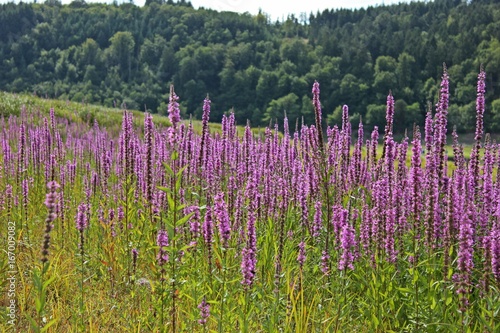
{"points": [[168, 229]]}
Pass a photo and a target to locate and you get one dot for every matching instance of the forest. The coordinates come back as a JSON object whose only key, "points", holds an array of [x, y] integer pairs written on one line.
{"points": [[126, 56]]}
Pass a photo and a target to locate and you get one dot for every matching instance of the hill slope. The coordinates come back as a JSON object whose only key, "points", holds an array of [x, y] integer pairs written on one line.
{"points": [[113, 55]]}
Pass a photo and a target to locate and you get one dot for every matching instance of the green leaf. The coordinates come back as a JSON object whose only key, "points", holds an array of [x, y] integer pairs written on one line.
{"points": [[181, 207], [163, 189], [49, 281], [375, 320], [168, 169], [174, 156], [171, 203], [184, 219], [33, 324], [181, 170], [39, 303]]}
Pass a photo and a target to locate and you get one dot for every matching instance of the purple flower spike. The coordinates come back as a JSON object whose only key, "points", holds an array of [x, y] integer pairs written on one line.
{"points": [[223, 217], [249, 253], [81, 217], [204, 312], [317, 112], [317, 219], [162, 242], [50, 202], [174, 113], [347, 244], [301, 257], [480, 100], [389, 116], [495, 249], [204, 132]]}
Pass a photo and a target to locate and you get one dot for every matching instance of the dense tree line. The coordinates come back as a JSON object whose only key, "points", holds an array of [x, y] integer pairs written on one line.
{"points": [[128, 55]]}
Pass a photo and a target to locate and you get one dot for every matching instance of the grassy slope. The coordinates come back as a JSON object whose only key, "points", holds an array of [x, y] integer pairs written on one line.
{"points": [[74, 112]]}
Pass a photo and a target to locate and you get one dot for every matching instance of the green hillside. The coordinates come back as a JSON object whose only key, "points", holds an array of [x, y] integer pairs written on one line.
{"points": [[116, 55]]}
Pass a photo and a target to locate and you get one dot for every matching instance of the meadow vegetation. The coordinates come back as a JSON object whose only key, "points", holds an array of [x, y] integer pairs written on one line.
{"points": [[157, 227]]}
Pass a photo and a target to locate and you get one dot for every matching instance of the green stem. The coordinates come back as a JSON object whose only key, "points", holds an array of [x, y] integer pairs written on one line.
{"points": [[245, 323], [342, 299], [82, 279], [415, 278], [174, 249], [221, 320], [162, 291]]}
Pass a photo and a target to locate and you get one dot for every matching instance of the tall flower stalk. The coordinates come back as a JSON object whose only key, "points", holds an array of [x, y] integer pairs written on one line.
{"points": [[41, 284], [81, 225]]}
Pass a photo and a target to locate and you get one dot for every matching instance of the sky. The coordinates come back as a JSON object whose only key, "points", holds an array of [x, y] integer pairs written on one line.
{"points": [[279, 9], [276, 9]]}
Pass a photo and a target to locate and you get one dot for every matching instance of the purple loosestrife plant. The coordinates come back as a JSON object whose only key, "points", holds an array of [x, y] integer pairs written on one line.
{"points": [[429, 137], [38, 276], [249, 253], [162, 258], [495, 247], [204, 312], [347, 245], [346, 147], [174, 113], [465, 262], [21, 162], [25, 192], [365, 229], [480, 106], [324, 266], [317, 113], [355, 173], [207, 230], [318, 216], [416, 178], [204, 133], [373, 149], [223, 218], [441, 122], [301, 257], [162, 243], [389, 118], [50, 203], [82, 222], [135, 255], [148, 141]]}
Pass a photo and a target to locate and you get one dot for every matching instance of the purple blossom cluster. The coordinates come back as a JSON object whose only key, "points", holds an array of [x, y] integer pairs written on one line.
{"points": [[162, 243], [50, 203], [204, 312]]}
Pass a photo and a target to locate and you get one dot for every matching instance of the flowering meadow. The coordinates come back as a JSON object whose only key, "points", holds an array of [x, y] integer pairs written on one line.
{"points": [[172, 229]]}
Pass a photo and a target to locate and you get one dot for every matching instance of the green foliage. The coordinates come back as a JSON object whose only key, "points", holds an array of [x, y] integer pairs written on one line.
{"points": [[277, 109], [495, 112], [123, 54]]}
